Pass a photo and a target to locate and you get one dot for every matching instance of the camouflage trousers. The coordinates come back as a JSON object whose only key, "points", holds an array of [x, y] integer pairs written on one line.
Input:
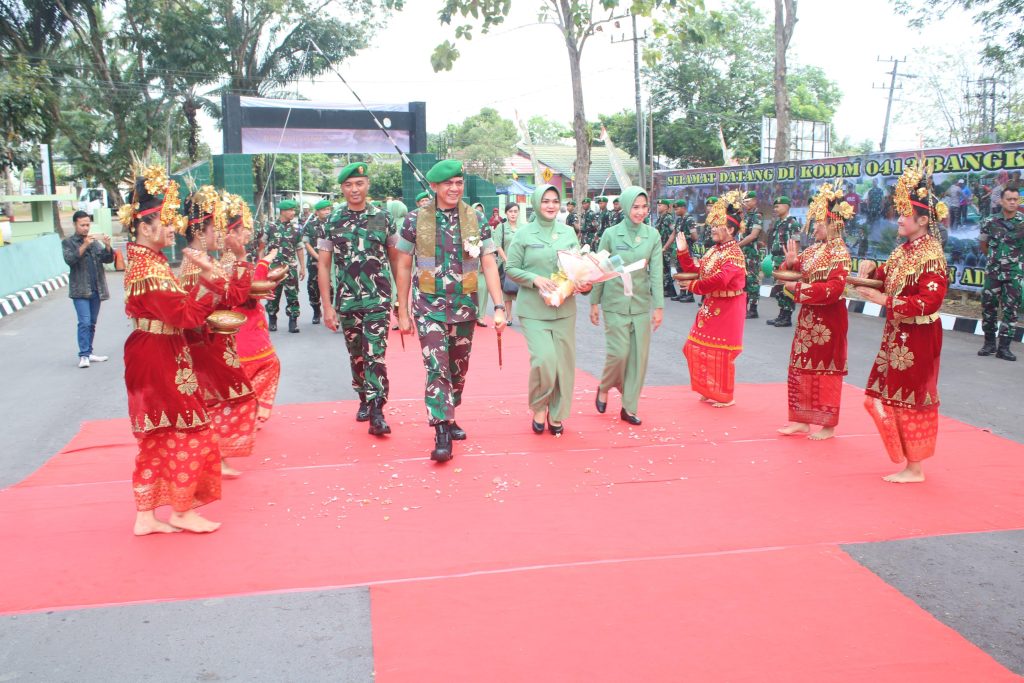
{"points": [[312, 282], [446, 350], [785, 302], [666, 271], [996, 293], [290, 287], [753, 262], [366, 337]]}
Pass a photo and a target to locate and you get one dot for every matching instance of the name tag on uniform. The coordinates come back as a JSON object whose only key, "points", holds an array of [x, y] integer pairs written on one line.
{"points": [[534, 246], [623, 247]]}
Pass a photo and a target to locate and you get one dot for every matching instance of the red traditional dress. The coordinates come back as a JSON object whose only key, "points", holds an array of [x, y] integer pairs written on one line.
{"points": [[178, 463], [716, 338], [255, 350], [229, 396], [817, 361], [902, 390]]}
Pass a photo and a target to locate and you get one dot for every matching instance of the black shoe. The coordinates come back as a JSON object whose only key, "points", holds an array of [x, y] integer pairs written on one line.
{"points": [[752, 312], [316, 315], [685, 299], [457, 432], [378, 425], [363, 414], [631, 419], [481, 323], [538, 427], [273, 323], [989, 347], [293, 325], [785, 319], [677, 297], [555, 429], [1004, 352], [394, 327], [442, 443], [600, 405]]}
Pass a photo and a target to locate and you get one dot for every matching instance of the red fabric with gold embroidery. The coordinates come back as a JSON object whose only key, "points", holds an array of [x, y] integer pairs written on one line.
{"points": [[716, 338], [163, 388], [908, 434], [180, 469], [264, 375], [906, 370], [235, 427], [253, 339]]}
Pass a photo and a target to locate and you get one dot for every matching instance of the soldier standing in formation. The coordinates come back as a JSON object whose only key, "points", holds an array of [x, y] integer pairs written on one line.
{"points": [[616, 217], [685, 225], [1002, 241], [422, 199], [666, 227], [785, 228], [604, 217], [287, 239], [571, 218], [748, 244], [311, 231], [589, 225], [356, 240], [450, 244], [705, 228]]}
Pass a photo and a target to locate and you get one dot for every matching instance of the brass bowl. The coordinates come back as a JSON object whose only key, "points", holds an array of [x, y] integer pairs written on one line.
{"points": [[261, 288], [225, 322], [864, 282], [277, 274], [786, 275], [685, 277]]}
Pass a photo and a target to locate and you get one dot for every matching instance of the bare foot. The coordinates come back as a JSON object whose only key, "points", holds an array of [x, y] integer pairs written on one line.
{"points": [[146, 523], [705, 399], [795, 428], [194, 522], [719, 404], [822, 434], [227, 471], [913, 474]]}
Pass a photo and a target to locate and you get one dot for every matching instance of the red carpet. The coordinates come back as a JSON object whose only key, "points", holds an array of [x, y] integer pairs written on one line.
{"points": [[744, 521]]}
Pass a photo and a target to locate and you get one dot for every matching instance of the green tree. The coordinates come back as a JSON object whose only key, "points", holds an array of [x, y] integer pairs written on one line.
{"points": [[1002, 22], [386, 180], [23, 113], [846, 147], [544, 131], [483, 142], [318, 173]]}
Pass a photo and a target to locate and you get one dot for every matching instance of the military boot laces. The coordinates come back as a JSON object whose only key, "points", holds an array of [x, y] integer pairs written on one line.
{"points": [[442, 443]]}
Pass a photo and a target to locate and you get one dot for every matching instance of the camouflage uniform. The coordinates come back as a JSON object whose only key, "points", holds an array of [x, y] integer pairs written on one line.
{"points": [[752, 254], [666, 227], [615, 218], [358, 243], [570, 220], [1003, 274], [685, 224], [259, 234], [590, 232], [446, 318], [287, 239], [782, 231], [311, 236]]}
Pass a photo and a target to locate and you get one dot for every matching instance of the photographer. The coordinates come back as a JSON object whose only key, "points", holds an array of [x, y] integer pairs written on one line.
{"points": [[87, 283]]}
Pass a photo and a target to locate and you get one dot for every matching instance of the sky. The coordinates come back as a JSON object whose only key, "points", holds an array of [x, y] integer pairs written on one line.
{"points": [[522, 65]]}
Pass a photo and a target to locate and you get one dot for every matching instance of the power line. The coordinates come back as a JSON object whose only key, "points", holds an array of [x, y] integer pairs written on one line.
{"points": [[892, 88]]}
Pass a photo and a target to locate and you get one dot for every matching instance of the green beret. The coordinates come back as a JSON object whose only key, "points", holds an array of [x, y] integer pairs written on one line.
{"points": [[752, 194], [783, 200], [376, 203], [571, 201], [322, 204], [422, 195], [602, 199], [615, 201], [355, 170], [680, 202], [286, 204], [444, 170], [665, 202], [586, 200], [710, 200]]}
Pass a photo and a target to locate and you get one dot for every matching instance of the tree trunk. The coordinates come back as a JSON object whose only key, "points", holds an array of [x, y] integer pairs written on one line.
{"points": [[785, 21], [581, 130]]}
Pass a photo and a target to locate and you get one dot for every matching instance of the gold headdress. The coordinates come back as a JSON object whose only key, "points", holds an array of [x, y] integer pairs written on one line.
{"points": [[819, 210], [235, 210], [205, 204], [719, 213], [914, 194], [152, 191]]}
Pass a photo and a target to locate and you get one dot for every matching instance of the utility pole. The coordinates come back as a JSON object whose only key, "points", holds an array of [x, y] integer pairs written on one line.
{"points": [[892, 88], [641, 147], [986, 96]]}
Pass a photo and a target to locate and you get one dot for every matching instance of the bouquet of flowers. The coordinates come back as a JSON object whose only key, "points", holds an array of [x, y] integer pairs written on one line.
{"points": [[579, 267]]}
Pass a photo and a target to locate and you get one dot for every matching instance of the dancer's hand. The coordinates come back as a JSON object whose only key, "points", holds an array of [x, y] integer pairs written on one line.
{"points": [[681, 244], [866, 268], [792, 253], [234, 244], [199, 258], [270, 255]]}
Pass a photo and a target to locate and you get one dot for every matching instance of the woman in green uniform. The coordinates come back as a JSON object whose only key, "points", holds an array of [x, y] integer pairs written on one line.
{"points": [[550, 331], [502, 237], [629, 320]]}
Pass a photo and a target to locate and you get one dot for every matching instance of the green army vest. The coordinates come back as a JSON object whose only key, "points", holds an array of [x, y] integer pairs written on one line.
{"points": [[428, 255]]}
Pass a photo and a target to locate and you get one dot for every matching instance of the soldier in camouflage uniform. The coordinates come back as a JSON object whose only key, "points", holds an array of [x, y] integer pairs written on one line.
{"points": [[703, 229], [616, 216], [604, 218], [355, 241], [784, 229], [666, 227], [286, 237], [311, 232], [590, 223], [751, 251], [571, 218], [687, 226], [450, 245], [1002, 240]]}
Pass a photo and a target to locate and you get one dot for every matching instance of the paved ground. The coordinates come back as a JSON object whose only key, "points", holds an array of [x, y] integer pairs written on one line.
{"points": [[971, 583]]}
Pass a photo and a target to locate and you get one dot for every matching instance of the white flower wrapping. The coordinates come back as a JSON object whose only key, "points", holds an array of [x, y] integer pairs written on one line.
{"points": [[579, 267], [472, 248]]}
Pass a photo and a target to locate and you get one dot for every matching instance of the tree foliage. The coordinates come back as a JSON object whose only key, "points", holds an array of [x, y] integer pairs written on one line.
{"points": [[318, 173], [545, 131], [483, 142], [1001, 20], [23, 115], [386, 180]]}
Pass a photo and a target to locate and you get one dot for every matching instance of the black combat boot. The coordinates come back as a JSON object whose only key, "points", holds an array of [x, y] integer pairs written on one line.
{"points": [[989, 347], [1004, 350], [316, 315], [752, 310], [293, 325], [685, 297], [442, 443], [785, 319], [378, 425], [457, 432], [363, 414], [273, 322]]}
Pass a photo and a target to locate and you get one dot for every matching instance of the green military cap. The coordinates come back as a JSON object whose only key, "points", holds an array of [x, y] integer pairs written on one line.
{"points": [[286, 204], [783, 200], [680, 202], [602, 199], [752, 194], [586, 200], [376, 203], [710, 200], [354, 170], [615, 201], [666, 202], [422, 195], [571, 201], [322, 204], [444, 170]]}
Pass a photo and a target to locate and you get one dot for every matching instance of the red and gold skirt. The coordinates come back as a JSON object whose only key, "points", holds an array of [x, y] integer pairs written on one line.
{"points": [[908, 434], [235, 426], [264, 375], [712, 371], [814, 399], [180, 469]]}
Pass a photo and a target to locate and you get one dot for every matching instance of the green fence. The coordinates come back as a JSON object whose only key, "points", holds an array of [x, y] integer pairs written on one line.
{"points": [[24, 264]]}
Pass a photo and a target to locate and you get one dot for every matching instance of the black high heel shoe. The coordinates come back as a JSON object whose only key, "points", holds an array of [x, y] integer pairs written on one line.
{"points": [[631, 419], [538, 427], [599, 404], [555, 429]]}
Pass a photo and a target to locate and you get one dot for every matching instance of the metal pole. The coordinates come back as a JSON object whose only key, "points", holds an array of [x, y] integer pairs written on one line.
{"points": [[888, 107], [640, 147], [300, 183]]}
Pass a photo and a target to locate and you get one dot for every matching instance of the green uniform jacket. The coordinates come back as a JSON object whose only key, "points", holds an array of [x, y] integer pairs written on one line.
{"points": [[632, 244], [534, 251]]}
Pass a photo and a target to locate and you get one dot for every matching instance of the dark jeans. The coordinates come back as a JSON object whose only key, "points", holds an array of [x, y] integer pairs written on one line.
{"points": [[88, 310]]}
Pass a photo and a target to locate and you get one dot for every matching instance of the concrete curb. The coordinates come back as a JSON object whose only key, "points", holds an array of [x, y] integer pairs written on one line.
{"points": [[949, 322], [19, 300]]}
